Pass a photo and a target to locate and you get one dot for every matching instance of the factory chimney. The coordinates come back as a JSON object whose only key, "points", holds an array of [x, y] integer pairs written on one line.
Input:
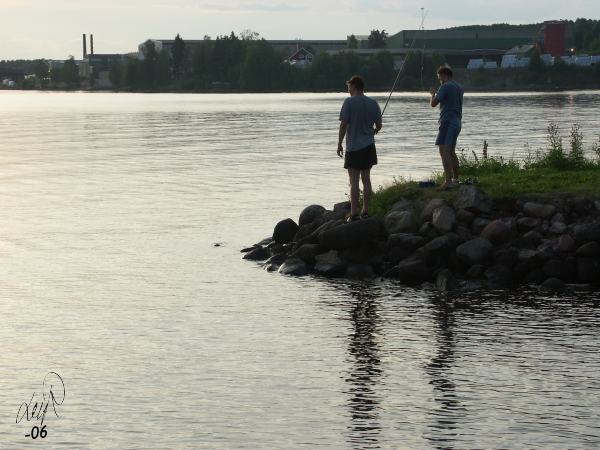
{"points": [[91, 44], [84, 46]]}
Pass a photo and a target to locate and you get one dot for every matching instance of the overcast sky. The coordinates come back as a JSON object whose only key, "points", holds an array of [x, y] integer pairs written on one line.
{"points": [[52, 29]]}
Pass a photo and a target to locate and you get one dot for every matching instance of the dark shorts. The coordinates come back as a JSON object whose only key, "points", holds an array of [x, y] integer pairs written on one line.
{"points": [[448, 133], [361, 159]]}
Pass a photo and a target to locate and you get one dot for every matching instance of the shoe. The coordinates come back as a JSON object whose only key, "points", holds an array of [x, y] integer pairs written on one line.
{"points": [[444, 188], [352, 218], [365, 216], [457, 181]]}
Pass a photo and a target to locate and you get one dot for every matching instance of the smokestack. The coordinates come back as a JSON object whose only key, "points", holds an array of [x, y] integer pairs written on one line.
{"points": [[91, 44], [84, 46]]}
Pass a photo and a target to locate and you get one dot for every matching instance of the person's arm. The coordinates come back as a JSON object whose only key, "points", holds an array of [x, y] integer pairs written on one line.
{"points": [[378, 126], [341, 136], [433, 101]]}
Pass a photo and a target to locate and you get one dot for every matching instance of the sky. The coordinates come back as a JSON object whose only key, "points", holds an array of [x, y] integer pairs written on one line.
{"points": [[53, 29]]}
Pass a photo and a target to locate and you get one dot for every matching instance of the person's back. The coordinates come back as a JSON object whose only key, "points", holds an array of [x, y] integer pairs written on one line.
{"points": [[361, 113], [450, 96]]}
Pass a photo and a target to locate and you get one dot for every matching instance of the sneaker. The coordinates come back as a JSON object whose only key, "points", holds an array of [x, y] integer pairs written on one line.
{"points": [[352, 218]]}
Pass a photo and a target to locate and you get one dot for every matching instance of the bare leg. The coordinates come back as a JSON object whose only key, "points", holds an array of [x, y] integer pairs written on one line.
{"points": [[365, 175], [354, 175], [447, 164], [454, 159]]}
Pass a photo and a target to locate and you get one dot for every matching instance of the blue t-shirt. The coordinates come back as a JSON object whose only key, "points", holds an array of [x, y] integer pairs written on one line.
{"points": [[450, 96], [361, 113]]}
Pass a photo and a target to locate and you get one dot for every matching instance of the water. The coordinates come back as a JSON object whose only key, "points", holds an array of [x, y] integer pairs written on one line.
{"points": [[111, 206]]}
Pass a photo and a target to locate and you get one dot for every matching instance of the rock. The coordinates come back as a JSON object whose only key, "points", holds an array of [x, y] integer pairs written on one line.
{"points": [[497, 232], [308, 240], [463, 233], [316, 224], [476, 251], [478, 225], [434, 204], [589, 250], [403, 205], [536, 276], [597, 205], [558, 217], [566, 244], [440, 246], [552, 286], [520, 270], [326, 226], [397, 254], [303, 232], [308, 253], [579, 287], [560, 269], [330, 264], [400, 222], [535, 210], [499, 277], [465, 216], [476, 271], [473, 200], [588, 232], [342, 206], [249, 249], [274, 262], [408, 241], [522, 243], [359, 271], [353, 234], [506, 257], [534, 237], [558, 228], [446, 281], [413, 270], [285, 231], [527, 224], [588, 269], [426, 228], [363, 255], [443, 219], [293, 266], [258, 254], [310, 213], [511, 223]]}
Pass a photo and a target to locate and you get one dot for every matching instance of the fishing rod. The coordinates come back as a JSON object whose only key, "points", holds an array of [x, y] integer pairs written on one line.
{"points": [[405, 60]]}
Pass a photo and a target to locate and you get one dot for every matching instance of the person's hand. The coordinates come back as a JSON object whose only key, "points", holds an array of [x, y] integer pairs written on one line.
{"points": [[432, 91], [340, 150], [375, 131]]}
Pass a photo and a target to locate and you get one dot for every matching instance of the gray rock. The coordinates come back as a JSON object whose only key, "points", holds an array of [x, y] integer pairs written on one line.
{"points": [[497, 232], [446, 281], [426, 228], [588, 232], [566, 244], [560, 269], [353, 234], [413, 270], [588, 269], [359, 271], [293, 266], [285, 231], [472, 199], [476, 271], [439, 246], [589, 250], [558, 228], [527, 223], [403, 205], [558, 217], [310, 213], [434, 204], [476, 251], [534, 237], [511, 223], [408, 241], [536, 276], [597, 205], [579, 287], [465, 216], [552, 286], [522, 243], [463, 233], [304, 231], [479, 224], [308, 253], [507, 257], [330, 263], [363, 255], [400, 222], [258, 254], [537, 211], [326, 226], [328, 215], [274, 262], [443, 219], [499, 277]]}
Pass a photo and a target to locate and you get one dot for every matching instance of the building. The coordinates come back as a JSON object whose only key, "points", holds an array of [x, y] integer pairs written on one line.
{"points": [[301, 57]]}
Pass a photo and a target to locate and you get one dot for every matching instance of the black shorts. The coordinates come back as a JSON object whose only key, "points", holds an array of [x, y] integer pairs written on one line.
{"points": [[362, 159]]}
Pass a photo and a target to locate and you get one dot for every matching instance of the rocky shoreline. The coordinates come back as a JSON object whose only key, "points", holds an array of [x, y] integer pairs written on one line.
{"points": [[466, 243]]}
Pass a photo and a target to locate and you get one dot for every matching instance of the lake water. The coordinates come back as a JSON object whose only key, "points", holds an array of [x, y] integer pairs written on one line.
{"points": [[110, 209]]}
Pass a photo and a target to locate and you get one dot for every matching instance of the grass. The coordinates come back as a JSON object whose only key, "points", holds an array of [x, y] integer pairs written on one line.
{"points": [[559, 170]]}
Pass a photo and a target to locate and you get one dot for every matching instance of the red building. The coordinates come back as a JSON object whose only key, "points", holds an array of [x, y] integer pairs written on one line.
{"points": [[555, 38]]}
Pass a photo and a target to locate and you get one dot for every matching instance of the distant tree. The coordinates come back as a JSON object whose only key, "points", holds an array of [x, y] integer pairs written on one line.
{"points": [[261, 70], [116, 74], [377, 39], [227, 58], [535, 63], [133, 71], [249, 35], [378, 70], [56, 75], [70, 73], [176, 57], [42, 71], [163, 69], [352, 42], [202, 63], [148, 68], [309, 48]]}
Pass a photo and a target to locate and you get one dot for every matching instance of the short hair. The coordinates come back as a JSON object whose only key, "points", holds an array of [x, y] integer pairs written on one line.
{"points": [[357, 82], [445, 70]]}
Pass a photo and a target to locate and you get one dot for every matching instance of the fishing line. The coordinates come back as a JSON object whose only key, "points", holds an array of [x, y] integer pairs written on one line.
{"points": [[405, 60]]}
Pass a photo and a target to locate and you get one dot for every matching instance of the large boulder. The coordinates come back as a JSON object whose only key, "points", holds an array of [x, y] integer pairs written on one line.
{"points": [[258, 254], [567, 244], [444, 219], [352, 234], [308, 253], [479, 224], [274, 262], [558, 228], [293, 266], [472, 199], [527, 223], [285, 231], [330, 263], [589, 250], [342, 206], [403, 205], [413, 270], [326, 226], [408, 241], [310, 213], [507, 257], [476, 251], [499, 277], [446, 281], [363, 255], [588, 269], [497, 232], [562, 270], [552, 286], [434, 204], [464, 216], [537, 211], [440, 246], [588, 232], [400, 222]]}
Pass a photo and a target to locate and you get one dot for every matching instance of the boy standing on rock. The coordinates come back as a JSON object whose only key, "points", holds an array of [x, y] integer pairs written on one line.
{"points": [[450, 99], [358, 116]]}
